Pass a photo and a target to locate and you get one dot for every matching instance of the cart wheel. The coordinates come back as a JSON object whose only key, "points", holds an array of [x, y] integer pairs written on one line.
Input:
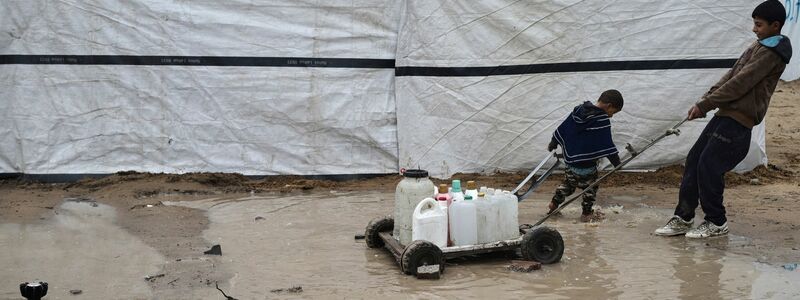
{"points": [[421, 253], [543, 244], [375, 227]]}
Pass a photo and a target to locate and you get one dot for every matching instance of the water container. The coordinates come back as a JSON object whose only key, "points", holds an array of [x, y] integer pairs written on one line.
{"points": [[455, 191], [414, 187], [472, 189], [463, 222], [494, 199], [429, 223], [486, 221], [508, 213]]}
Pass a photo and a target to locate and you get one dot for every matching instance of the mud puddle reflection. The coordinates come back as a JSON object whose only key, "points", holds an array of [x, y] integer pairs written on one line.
{"points": [[80, 248], [307, 240]]}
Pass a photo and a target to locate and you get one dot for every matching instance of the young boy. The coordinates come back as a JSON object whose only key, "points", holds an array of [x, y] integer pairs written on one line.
{"points": [[742, 97], [585, 137]]}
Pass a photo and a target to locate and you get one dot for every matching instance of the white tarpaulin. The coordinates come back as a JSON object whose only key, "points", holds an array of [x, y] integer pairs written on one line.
{"points": [[792, 30], [309, 87], [479, 123], [252, 120]]}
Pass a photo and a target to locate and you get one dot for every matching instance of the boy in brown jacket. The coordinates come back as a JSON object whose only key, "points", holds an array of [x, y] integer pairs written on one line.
{"points": [[742, 97]]}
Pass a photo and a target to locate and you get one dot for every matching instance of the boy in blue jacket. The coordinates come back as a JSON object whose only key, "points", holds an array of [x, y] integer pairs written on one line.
{"points": [[585, 137]]}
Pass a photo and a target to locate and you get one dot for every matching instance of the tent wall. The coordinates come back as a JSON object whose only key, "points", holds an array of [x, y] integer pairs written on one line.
{"points": [[86, 118], [461, 122], [346, 87]]}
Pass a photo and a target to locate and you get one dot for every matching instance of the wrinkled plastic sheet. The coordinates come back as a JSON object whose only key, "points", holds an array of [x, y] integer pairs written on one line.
{"points": [[504, 122], [251, 120], [792, 29]]}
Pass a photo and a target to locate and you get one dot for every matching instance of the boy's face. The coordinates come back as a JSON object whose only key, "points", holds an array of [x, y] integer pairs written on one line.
{"points": [[764, 29]]}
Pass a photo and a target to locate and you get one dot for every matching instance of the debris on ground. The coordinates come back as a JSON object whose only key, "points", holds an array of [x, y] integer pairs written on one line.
{"points": [[294, 289], [429, 272], [215, 250], [75, 292], [223, 292], [790, 267], [524, 266], [259, 218], [360, 236], [152, 278]]}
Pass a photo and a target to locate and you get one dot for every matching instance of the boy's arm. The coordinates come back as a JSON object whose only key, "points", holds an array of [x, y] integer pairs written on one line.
{"points": [[761, 64], [553, 144]]}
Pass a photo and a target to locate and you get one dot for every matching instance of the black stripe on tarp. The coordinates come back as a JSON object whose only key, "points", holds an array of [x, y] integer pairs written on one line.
{"points": [[243, 61], [599, 66], [226, 61]]}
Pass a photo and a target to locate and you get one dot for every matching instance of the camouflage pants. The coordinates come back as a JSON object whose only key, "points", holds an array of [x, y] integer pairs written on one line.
{"points": [[572, 181]]}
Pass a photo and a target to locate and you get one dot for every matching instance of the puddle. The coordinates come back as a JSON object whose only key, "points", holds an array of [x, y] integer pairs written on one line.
{"points": [[308, 241], [79, 248]]}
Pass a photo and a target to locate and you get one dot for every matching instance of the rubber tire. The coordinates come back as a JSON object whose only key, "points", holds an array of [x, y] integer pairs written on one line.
{"points": [[375, 227], [543, 244], [420, 253]]}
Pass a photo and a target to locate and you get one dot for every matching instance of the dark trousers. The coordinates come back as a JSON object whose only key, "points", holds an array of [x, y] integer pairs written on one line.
{"points": [[722, 145], [573, 181]]}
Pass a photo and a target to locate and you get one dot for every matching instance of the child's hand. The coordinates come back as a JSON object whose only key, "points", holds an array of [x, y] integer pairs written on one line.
{"points": [[552, 146], [695, 113]]}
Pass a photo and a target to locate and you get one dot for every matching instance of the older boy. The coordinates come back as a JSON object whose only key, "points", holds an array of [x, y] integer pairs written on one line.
{"points": [[585, 137], [742, 97]]}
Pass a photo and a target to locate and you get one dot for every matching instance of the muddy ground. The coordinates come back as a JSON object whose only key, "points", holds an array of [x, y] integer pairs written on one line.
{"points": [[762, 204]]}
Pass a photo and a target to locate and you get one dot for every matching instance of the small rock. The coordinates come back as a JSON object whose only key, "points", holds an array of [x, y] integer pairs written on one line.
{"points": [[152, 278], [259, 218], [215, 250], [794, 248], [755, 181], [75, 292], [429, 272], [524, 266], [360, 237]]}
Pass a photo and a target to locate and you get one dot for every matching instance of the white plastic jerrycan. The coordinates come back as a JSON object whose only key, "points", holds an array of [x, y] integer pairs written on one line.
{"points": [[463, 222], [487, 221], [430, 223], [508, 216]]}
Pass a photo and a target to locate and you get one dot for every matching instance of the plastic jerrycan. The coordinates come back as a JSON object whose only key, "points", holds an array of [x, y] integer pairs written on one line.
{"points": [[429, 223], [414, 187], [472, 189], [456, 192], [494, 211], [509, 216], [463, 222], [485, 220]]}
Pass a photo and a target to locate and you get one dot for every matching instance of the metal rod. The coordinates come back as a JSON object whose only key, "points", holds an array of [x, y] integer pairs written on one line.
{"points": [[544, 161], [674, 130]]}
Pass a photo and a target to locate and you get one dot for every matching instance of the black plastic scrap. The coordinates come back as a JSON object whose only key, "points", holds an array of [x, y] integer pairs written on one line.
{"points": [[215, 250]]}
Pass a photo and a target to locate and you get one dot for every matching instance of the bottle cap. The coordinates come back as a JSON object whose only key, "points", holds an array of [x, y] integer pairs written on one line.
{"points": [[456, 186], [442, 188], [471, 185]]}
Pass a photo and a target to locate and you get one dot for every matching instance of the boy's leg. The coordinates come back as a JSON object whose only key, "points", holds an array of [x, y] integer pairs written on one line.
{"points": [[591, 194], [588, 197], [689, 193], [563, 190], [728, 146]]}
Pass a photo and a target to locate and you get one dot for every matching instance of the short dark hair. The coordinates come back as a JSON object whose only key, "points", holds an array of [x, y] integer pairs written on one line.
{"points": [[613, 98], [771, 11]]}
